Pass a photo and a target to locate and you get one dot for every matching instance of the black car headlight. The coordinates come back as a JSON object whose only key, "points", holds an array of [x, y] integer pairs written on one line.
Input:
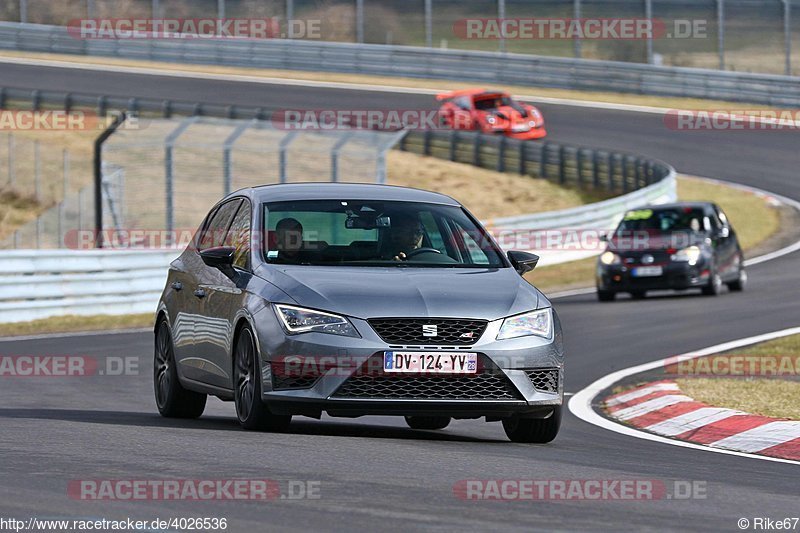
{"points": [[689, 255], [610, 258], [298, 320], [538, 323]]}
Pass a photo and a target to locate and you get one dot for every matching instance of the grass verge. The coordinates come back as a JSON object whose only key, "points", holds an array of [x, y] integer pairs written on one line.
{"points": [[754, 218], [72, 323], [774, 397]]}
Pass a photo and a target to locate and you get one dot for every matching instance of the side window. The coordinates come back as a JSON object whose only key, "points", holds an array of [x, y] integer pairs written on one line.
{"points": [[239, 237], [213, 234]]}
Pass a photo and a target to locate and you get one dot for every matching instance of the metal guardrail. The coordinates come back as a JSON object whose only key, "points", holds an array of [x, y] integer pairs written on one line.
{"points": [[41, 284], [419, 62]]}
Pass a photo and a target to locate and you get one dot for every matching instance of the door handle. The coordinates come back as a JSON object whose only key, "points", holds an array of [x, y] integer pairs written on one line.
{"points": [[200, 293], [178, 286]]}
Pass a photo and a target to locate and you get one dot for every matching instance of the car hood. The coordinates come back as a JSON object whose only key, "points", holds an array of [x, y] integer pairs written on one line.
{"points": [[366, 292]]}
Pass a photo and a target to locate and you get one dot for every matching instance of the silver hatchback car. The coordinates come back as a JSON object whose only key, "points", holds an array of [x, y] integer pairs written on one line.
{"points": [[356, 300]]}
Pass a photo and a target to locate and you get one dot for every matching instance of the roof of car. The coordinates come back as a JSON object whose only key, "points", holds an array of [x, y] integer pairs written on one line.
{"points": [[680, 205], [344, 191], [466, 92]]}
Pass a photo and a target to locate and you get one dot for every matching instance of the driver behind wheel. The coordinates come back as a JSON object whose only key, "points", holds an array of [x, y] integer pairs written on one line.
{"points": [[404, 236]]}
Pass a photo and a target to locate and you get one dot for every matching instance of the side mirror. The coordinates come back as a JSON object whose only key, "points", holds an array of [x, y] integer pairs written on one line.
{"points": [[523, 262], [604, 237], [724, 232], [220, 257]]}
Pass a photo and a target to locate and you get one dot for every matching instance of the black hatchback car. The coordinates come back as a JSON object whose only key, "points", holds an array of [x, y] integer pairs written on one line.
{"points": [[674, 246]]}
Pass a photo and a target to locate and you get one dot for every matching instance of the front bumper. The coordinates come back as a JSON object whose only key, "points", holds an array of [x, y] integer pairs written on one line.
{"points": [[334, 375], [676, 276]]}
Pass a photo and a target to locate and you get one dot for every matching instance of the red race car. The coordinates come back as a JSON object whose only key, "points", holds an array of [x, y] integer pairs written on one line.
{"points": [[491, 112]]}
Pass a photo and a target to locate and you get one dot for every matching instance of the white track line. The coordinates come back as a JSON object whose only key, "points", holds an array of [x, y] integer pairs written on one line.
{"points": [[581, 405], [656, 404]]}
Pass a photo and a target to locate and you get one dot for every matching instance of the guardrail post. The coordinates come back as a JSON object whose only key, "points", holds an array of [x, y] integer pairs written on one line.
{"points": [[67, 103], [166, 109], [523, 162], [289, 19], [101, 106], [612, 163], [156, 9], [562, 165], [501, 155], [426, 142], [625, 174], [543, 162], [579, 160], [220, 9], [36, 100], [595, 169], [2, 97], [453, 143], [23, 11], [476, 151]]}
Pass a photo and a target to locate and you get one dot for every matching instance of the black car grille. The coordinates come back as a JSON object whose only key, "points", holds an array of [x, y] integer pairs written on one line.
{"points": [[488, 384], [659, 256], [454, 332], [544, 380], [292, 382]]}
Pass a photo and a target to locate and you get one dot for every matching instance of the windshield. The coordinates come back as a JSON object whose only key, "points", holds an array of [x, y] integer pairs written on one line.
{"points": [[485, 103], [375, 233], [687, 219]]}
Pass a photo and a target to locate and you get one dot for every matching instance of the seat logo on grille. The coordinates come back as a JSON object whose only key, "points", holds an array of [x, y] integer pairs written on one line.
{"points": [[430, 330]]}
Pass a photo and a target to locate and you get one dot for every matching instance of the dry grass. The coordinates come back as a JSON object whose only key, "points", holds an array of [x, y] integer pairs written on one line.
{"points": [[785, 346], [508, 195], [752, 217], [70, 324], [767, 397], [436, 85], [15, 211]]}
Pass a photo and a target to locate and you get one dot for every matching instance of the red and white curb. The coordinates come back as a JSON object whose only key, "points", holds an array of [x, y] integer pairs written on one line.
{"points": [[742, 441], [661, 408]]}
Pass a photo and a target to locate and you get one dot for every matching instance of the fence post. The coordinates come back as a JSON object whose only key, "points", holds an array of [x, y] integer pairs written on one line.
{"points": [[787, 34], [169, 147], [501, 14], [429, 23], [90, 9], [648, 14], [98, 175], [11, 155], [284, 159], [37, 171], [359, 21], [289, 18], [721, 33], [220, 9], [577, 43], [23, 11], [156, 9], [227, 159]]}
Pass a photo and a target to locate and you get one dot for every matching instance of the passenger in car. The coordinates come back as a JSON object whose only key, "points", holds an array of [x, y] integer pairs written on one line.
{"points": [[289, 241]]}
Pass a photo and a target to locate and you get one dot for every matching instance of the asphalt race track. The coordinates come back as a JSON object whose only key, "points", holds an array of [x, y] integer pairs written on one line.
{"points": [[375, 472]]}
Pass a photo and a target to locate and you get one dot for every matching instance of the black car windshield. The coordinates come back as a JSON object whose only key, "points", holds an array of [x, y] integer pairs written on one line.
{"points": [[375, 233], [686, 219], [487, 102]]}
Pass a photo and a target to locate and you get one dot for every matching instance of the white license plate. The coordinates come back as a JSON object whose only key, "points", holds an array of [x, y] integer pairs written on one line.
{"points": [[647, 272], [521, 129], [430, 362]]}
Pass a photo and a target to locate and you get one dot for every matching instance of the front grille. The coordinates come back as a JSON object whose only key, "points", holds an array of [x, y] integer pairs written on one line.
{"points": [[635, 258], [454, 332], [544, 380], [488, 384]]}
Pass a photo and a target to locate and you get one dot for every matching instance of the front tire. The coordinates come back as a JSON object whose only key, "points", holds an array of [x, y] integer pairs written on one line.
{"points": [[172, 400], [714, 286], [606, 296], [533, 430], [428, 422], [251, 411]]}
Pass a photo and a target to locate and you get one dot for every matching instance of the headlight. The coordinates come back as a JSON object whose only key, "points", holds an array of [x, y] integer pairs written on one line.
{"points": [[299, 320], [538, 323], [610, 258], [687, 255], [491, 120], [532, 123]]}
